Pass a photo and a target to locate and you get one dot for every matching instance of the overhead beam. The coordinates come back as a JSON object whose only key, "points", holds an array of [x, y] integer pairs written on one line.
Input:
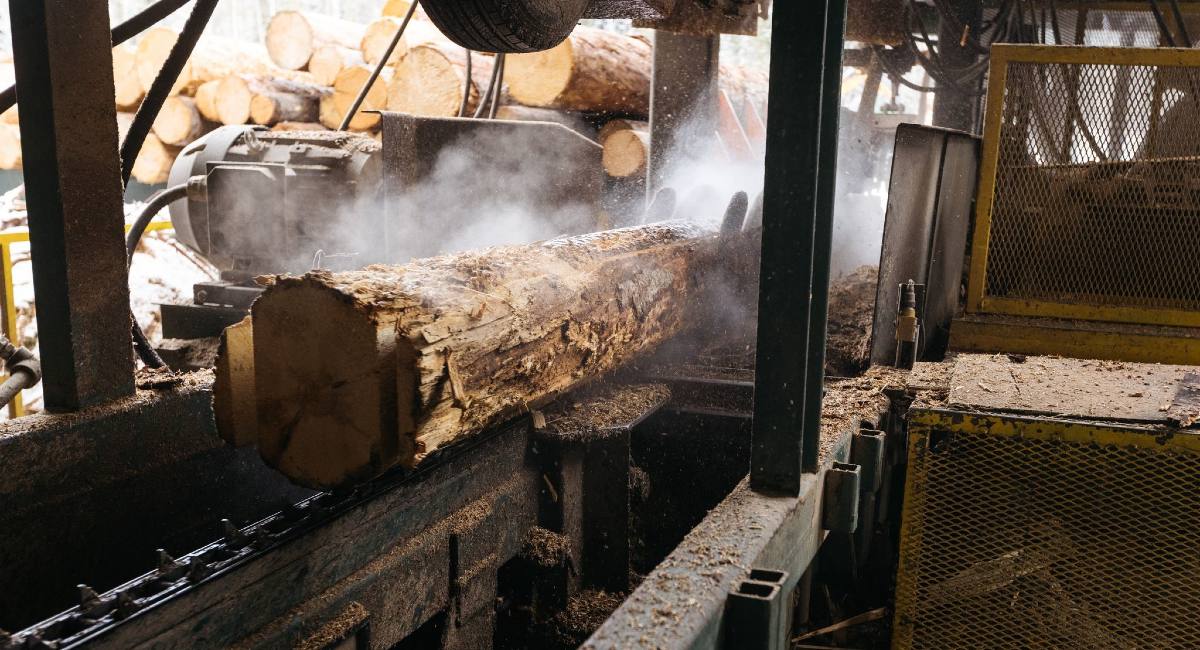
{"points": [[74, 197]]}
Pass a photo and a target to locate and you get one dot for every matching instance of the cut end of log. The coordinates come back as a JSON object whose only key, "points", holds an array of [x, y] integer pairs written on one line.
{"points": [[152, 52], [290, 40], [539, 78], [378, 37], [10, 146], [328, 61], [306, 389], [153, 164], [128, 87], [335, 106], [179, 121], [429, 83], [233, 100], [234, 405], [626, 153]]}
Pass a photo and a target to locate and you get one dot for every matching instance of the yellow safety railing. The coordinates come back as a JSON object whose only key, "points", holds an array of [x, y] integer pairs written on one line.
{"points": [[8, 316]]}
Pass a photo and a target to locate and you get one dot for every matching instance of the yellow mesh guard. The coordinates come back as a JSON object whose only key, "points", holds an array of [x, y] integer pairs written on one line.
{"points": [[1043, 534], [1090, 188]]}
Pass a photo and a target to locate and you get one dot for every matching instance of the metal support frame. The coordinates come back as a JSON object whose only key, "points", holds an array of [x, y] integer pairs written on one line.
{"points": [[798, 195], [73, 191], [682, 93]]}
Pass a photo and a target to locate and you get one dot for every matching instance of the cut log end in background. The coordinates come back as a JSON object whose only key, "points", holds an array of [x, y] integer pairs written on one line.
{"points": [[129, 91], [350, 81], [593, 70], [626, 153], [179, 122], [294, 36], [430, 81], [401, 361], [329, 61]]}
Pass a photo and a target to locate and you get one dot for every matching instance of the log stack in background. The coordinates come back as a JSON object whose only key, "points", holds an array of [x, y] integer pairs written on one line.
{"points": [[310, 68]]}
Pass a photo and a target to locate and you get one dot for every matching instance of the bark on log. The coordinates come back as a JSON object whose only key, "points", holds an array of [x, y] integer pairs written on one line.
{"points": [[213, 59], [592, 71], [206, 100], [282, 100], [179, 122], [362, 371], [294, 36], [604, 72], [329, 61], [430, 81], [626, 153], [128, 89], [345, 89]]}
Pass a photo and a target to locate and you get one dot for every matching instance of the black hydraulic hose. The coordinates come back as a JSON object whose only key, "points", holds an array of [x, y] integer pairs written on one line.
{"points": [[501, 60], [135, 25], [387, 56], [466, 98], [141, 344], [491, 88], [161, 88]]}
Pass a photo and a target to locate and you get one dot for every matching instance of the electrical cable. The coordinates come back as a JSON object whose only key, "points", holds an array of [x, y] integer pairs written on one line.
{"points": [[501, 60], [466, 98], [387, 56], [135, 25], [160, 200], [161, 88]]}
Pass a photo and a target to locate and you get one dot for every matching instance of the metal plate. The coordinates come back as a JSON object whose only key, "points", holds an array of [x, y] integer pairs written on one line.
{"points": [[934, 172]]}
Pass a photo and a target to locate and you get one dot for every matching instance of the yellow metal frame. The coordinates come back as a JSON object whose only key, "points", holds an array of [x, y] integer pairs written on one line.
{"points": [[8, 315], [923, 422], [1001, 56]]}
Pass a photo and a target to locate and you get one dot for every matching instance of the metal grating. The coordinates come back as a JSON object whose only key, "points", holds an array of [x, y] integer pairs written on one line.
{"points": [[1044, 538], [1093, 207]]}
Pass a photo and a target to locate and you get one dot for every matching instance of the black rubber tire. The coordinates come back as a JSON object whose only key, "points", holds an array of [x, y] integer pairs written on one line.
{"points": [[506, 25]]}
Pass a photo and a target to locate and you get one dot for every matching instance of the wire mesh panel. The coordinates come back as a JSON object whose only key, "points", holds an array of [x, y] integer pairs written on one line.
{"points": [[1048, 535], [1090, 196]]}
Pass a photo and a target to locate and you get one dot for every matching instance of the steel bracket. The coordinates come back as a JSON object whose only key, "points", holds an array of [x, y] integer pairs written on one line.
{"points": [[839, 500]]}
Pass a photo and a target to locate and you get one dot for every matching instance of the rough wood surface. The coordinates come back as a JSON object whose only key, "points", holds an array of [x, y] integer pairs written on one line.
{"points": [[10, 146], [128, 89], [430, 81], [179, 122], [329, 61], [153, 164], [378, 36], [233, 390], [614, 126], [349, 82], [294, 36], [626, 153], [361, 371], [593, 70], [206, 100]]}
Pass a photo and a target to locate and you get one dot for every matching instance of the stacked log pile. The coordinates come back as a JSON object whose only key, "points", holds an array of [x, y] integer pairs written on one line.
{"points": [[310, 68]]}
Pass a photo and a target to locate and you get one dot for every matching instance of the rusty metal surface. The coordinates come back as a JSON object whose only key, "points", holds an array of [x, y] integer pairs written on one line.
{"points": [[74, 194]]}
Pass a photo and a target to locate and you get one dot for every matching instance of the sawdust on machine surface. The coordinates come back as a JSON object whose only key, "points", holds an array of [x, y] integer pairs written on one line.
{"points": [[603, 406]]}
